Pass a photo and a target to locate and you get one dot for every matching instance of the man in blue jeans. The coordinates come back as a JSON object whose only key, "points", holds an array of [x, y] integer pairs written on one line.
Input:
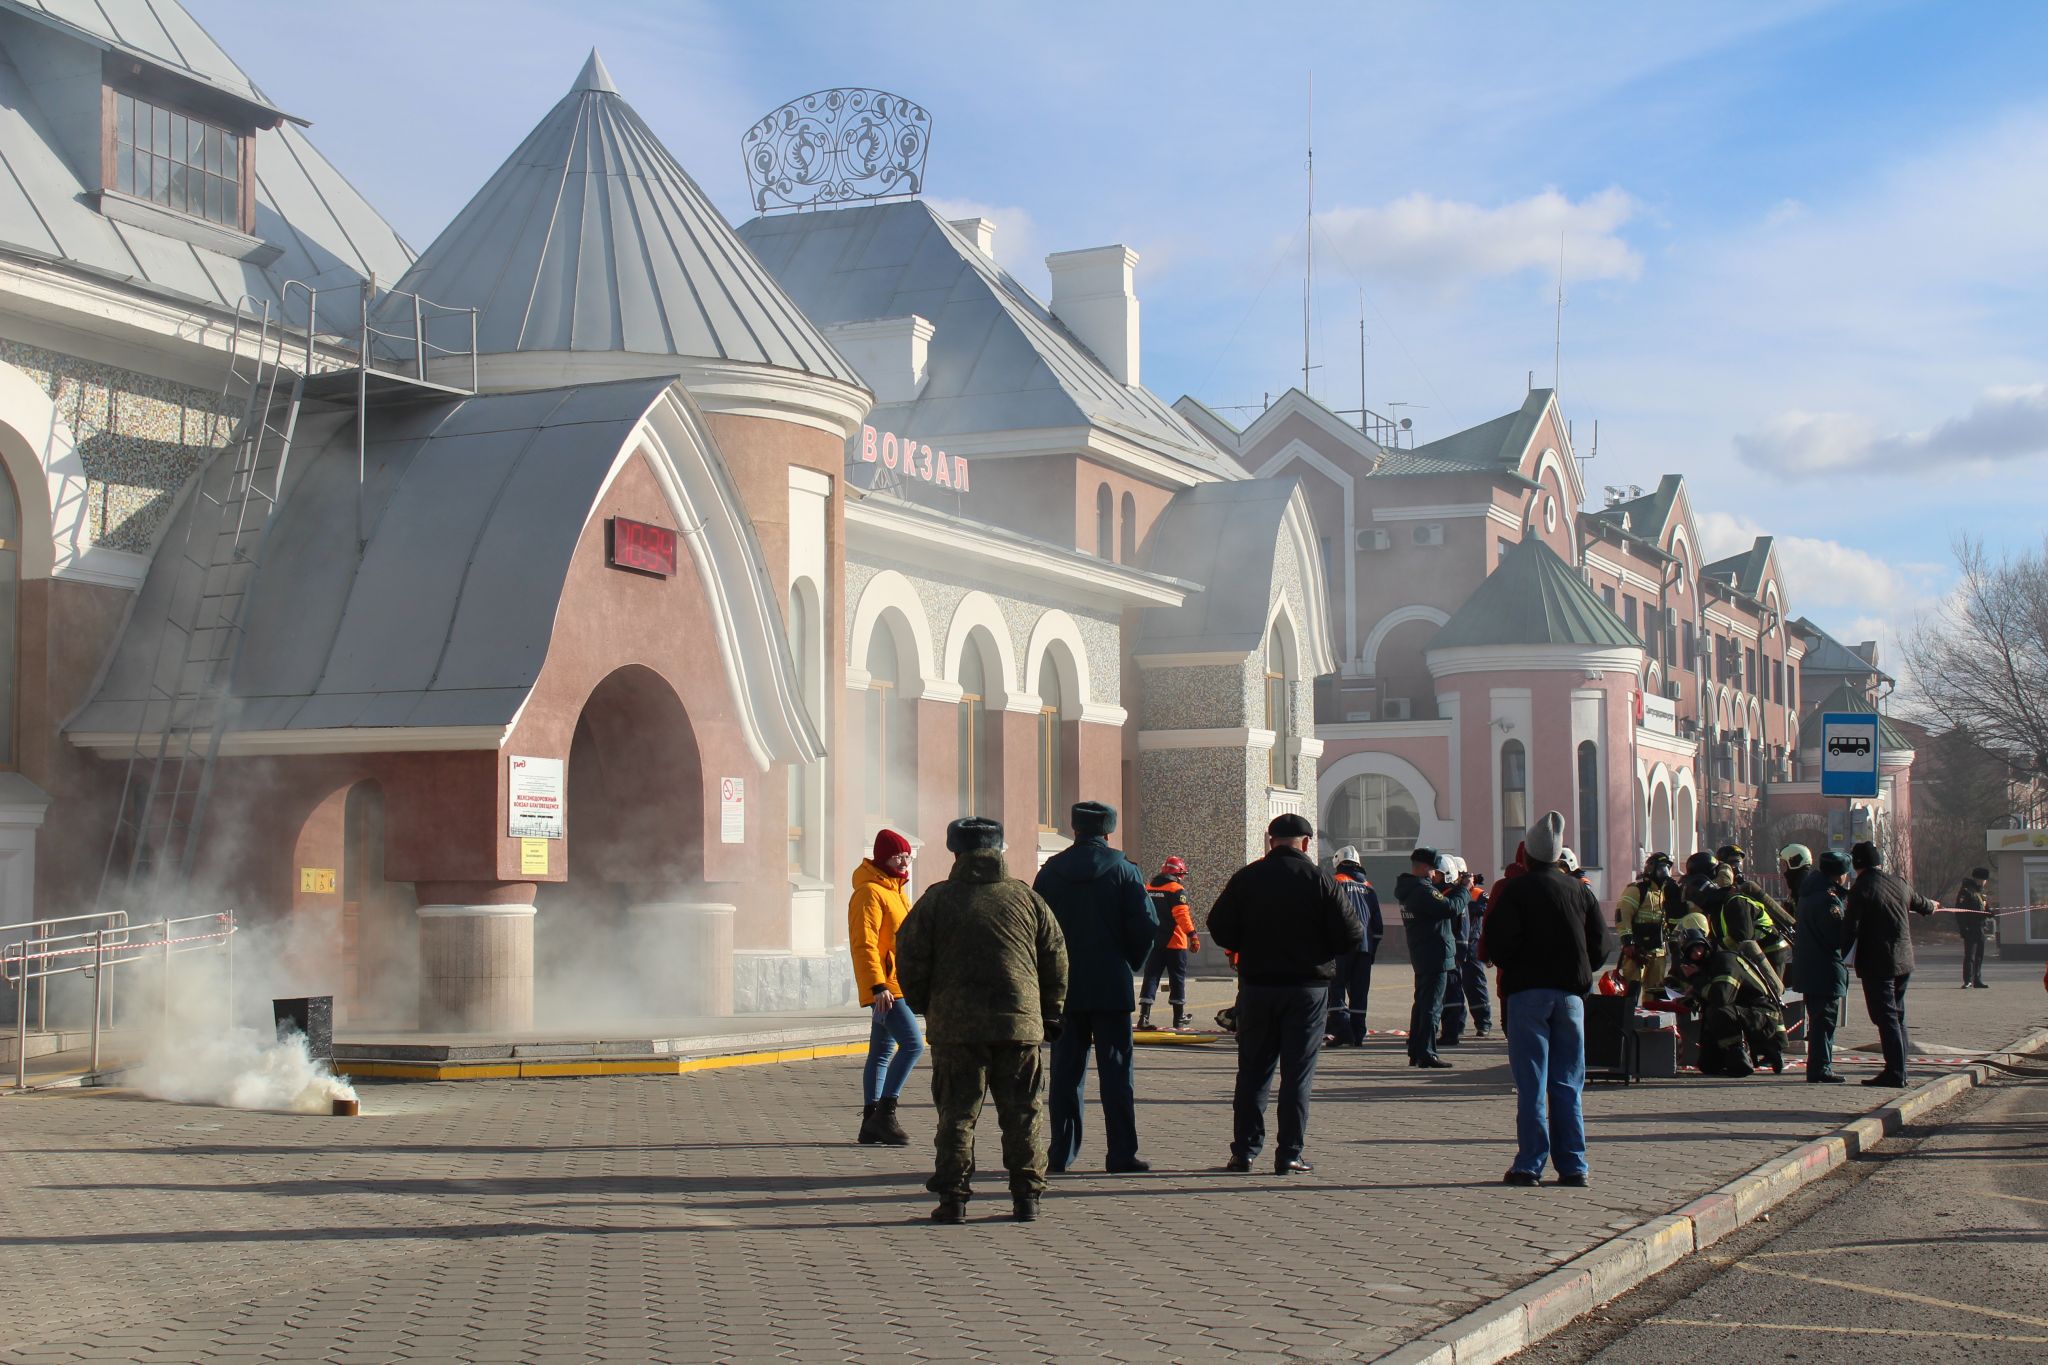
{"points": [[1547, 935]]}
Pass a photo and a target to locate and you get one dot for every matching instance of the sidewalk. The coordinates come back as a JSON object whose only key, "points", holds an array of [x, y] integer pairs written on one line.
{"points": [[729, 1215]]}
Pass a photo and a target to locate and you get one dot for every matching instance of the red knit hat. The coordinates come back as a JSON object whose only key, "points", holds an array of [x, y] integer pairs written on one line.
{"points": [[888, 844]]}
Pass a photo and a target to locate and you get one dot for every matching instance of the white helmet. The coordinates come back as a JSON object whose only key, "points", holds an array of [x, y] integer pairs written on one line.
{"points": [[1568, 860]]}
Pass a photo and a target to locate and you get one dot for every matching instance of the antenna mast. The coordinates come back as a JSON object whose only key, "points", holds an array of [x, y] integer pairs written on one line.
{"points": [[1361, 358], [1308, 282], [1557, 337]]}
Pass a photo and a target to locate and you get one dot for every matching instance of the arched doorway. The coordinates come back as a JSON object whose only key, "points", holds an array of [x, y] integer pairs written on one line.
{"points": [[1685, 834], [629, 933], [1662, 836]]}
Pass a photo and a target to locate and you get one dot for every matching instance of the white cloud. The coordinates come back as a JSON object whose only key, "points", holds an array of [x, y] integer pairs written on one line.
{"points": [[1016, 235], [1819, 574], [1421, 239], [2003, 424]]}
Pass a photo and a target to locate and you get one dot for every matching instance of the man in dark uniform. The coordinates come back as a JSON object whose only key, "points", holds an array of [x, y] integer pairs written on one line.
{"points": [[1431, 904], [981, 957], [1818, 969], [1286, 920], [1098, 896], [1975, 924], [1770, 922], [1351, 986]]}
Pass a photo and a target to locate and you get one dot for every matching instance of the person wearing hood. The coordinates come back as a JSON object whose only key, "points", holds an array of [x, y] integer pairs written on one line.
{"points": [[1819, 970], [874, 913], [982, 959], [1432, 903], [1548, 936], [1351, 985], [1975, 924], [1099, 898], [1286, 920]]}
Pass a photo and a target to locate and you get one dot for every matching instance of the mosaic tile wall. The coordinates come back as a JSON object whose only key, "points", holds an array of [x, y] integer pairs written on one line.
{"points": [[139, 437]]}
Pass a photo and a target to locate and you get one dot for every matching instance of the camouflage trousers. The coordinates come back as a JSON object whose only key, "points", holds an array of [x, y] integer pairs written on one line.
{"points": [[1012, 1075]]}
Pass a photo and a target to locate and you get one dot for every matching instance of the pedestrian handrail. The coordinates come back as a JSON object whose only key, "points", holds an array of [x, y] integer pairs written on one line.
{"points": [[93, 951]]}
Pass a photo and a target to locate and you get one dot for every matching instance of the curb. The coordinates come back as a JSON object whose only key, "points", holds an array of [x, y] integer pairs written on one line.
{"points": [[1526, 1315]]}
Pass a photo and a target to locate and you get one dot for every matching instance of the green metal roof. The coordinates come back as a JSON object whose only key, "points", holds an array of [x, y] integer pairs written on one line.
{"points": [[1826, 654], [1645, 516], [1535, 598], [1744, 572], [1847, 698], [1497, 444]]}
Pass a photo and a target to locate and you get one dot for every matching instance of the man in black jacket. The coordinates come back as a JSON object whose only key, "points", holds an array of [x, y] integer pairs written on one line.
{"points": [[1878, 905], [1432, 903], [1547, 935], [1975, 925], [1286, 920]]}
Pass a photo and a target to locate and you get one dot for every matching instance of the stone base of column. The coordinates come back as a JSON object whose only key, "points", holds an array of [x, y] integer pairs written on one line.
{"points": [[476, 968], [684, 952]]}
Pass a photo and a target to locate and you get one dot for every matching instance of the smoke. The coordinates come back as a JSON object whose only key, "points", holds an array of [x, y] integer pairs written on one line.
{"points": [[242, 1069]]}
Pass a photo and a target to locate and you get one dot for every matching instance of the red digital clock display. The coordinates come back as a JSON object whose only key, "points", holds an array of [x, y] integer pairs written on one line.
{"points": [[640, 547]]}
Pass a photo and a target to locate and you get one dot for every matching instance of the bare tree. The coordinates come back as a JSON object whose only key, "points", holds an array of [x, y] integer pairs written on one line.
{"points": [[1981, 661]]}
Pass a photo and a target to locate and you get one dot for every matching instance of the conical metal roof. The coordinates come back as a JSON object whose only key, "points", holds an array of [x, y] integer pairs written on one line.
{"points": [[1534, 598], [592, 238]]}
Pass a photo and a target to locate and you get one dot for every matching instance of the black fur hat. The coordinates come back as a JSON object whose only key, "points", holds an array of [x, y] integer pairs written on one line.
{"points": [[1093, 819], [1865, 855], [972, 833]]}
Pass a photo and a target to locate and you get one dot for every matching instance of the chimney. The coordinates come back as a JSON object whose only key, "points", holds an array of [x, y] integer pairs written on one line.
{"points": [[979, 231], [1092, 295], [887, 353]]}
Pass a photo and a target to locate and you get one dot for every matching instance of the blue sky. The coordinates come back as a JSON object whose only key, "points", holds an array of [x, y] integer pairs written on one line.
{"points": [[1806, 244]]}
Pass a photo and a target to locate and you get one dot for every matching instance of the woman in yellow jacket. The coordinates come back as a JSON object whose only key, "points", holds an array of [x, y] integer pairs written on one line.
{"points": [[895, 1041]]}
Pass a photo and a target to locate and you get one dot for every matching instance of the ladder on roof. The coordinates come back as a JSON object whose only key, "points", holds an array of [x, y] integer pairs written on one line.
{"points": [[186, 705]]}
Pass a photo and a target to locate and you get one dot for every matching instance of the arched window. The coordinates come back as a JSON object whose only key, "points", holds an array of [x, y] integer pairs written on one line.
{"points": [[1514, 798], [1376, 813], [974, 776], [1051, 742], [1589, 805], [1105, 523], [10, 592], [890, 791], [1279, 710], [1130, 529]]}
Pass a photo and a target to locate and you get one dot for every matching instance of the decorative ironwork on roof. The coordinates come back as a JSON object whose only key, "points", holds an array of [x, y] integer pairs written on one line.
{"points": [[837, 147]]}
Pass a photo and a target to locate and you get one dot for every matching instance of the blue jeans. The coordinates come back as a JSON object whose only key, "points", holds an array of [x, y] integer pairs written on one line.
{"points": [[1547, 1053], [895, 1042]]}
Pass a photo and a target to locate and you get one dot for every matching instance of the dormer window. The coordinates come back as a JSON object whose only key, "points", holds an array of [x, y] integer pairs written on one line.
{"points": [[179, 162]]}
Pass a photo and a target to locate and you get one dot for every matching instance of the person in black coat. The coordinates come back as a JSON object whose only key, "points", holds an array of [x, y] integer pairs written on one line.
{"points": [[1547, 934], [1432, 906], [1818, 971], [1351, 985], [1287, 922], [1975, 924], [1098, 896], [1877, 908]]}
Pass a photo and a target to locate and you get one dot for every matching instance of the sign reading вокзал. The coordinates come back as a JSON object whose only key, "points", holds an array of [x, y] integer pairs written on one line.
{"points": [[1848, 753]]}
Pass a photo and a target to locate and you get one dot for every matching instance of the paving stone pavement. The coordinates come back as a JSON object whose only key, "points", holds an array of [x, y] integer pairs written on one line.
{"points": [[728, 1216]]}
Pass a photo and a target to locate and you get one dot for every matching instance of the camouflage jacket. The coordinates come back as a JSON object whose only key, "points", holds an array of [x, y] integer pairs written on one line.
{"points": [[981, 956]]}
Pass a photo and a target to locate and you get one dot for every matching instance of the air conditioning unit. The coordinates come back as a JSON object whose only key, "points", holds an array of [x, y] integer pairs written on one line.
{"points": [[1671, 689], [1429, 533], [1375, 539], [1396, 708]]}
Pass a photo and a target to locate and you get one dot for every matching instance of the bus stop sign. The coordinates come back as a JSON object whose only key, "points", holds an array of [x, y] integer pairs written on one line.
{"points": [[1848, 753]]}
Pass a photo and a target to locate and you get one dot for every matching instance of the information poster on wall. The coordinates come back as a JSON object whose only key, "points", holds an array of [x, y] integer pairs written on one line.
{"points": [[732, 810], [536, 798], [533, 857]]}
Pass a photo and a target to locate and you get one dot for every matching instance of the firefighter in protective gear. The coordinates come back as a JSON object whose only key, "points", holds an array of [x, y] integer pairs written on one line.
{"points": [[1639, 920], [1740, 1007], [1773, 921], [1740, 917], [1177, 938]]}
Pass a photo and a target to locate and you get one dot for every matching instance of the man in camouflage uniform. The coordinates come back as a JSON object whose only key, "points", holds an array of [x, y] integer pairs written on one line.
{"points": [[981, 957]]}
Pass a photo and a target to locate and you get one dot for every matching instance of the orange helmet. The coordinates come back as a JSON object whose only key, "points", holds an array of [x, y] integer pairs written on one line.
{"points": [[1174, 867]]}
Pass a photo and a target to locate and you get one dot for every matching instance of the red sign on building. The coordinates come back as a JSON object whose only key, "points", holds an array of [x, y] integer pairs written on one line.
{"points": [[641, 547]]}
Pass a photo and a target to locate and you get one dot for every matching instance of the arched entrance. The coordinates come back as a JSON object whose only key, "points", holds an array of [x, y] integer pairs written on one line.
{"points": [[629, 934], [1662, 835]]}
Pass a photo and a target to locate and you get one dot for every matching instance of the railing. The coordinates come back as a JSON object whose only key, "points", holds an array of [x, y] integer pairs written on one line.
{"points": [[99, 919], [93, 951]]}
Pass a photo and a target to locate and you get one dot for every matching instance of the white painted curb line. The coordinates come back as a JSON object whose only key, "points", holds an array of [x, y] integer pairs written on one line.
{"points": [[1525, 1316]]}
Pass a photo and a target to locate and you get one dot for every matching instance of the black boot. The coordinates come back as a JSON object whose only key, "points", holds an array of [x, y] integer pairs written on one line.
{"points": [[887, 1130], [870, 1132], [1024, 1208], [1145, 1015], [1181, 1018], [951, 1209]]}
